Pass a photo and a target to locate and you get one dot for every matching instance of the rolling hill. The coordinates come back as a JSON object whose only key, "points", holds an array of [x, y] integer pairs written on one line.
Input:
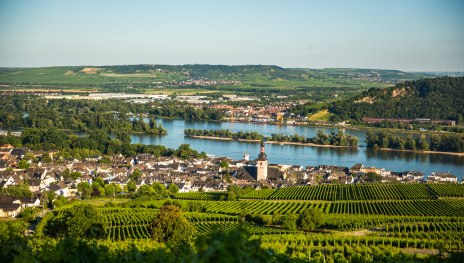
{"points": [[165, 78], [439, 98]]}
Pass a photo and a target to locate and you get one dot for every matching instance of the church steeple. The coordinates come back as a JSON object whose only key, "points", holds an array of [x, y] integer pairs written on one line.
{"points": [[261, 164], [262, 152]]}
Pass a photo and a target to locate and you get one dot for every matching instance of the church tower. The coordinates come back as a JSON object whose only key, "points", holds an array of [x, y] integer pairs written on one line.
{"points": [[261, 164]]}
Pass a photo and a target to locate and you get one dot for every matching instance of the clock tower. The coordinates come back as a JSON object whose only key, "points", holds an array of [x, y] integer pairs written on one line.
{"points": [[261, 164]]}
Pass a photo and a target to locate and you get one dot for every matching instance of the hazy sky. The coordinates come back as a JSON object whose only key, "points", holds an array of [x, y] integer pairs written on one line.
{"points": [[393, 34]]}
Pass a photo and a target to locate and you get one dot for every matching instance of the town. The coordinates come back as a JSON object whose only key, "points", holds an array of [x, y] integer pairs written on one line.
{"points": [[41, 172]]}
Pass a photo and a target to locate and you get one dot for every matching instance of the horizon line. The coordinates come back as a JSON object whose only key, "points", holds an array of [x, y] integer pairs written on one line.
{"points": [[236, 65]]}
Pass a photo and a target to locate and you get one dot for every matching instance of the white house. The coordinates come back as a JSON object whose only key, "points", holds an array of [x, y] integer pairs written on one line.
{"points": [[442, 178]]}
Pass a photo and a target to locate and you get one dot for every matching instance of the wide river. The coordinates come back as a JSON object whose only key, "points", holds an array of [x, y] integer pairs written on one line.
{"points": [[301, 155]]}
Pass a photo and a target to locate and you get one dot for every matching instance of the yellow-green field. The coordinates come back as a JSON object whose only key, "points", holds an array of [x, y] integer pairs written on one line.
{"points": [[323, 115]]}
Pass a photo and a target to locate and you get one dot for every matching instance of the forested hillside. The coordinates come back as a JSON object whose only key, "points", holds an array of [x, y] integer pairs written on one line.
{"points": [[440, 98]]}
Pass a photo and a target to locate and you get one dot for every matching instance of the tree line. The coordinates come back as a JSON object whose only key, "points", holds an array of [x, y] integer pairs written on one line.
{"points": [[336, 139], [97, 142], [30, 111], [224, 133], [442, 143], [27, 111]]}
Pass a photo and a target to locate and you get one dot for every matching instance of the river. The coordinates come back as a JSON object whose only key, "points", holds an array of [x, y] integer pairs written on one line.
{"points": [[301, 155]]}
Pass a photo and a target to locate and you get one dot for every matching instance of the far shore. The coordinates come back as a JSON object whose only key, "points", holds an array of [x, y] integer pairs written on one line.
{"points": [[270, 142], [427, 152]]}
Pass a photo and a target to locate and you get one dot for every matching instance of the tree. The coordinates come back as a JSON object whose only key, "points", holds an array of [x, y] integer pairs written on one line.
{"points": [[110, 190], [50, 196], [131, 186], [173, 188], [117, 188], [310, 219], [373, 177], [23, 164], [136, 174], [233, 192], [289, 221], [80, 221], [171, 227], [28, 214], [159, 188], [75, 175], [145, 190], [224, 164], [84, 189]]}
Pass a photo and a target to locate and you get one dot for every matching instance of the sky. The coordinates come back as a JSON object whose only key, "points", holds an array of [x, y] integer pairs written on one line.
{"points": [[411, 35]]}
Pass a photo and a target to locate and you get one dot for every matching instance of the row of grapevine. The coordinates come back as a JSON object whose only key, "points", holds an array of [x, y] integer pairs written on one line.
{"points": [[389, 207], [364, 221], [305, 242], [128, 232], [332, 192], [207, 217], [204, 228], [128, 216], [200, 196], [447, 190], [403, 208], [440, 207], [258, 194]]}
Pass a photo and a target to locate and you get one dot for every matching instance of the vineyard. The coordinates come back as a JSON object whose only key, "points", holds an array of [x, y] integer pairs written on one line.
{"points": [[442, 207], [367, 219], [199, 196], [337, 243], [447, 190], [332, 192], [127, 223], [416, 232]]}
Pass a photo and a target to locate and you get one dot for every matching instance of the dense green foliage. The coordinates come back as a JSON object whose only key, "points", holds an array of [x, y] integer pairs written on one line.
{"points": [[96, 143], [442, 143], [336, 139], [224, 134], [21, 190], [171, 227], [310, 219], [77, 115], [439, 98], [78, 221]]}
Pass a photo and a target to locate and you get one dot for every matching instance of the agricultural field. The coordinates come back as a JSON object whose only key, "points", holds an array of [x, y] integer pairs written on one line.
{"points": [[156, 79], [421, 219], [361, 192]]}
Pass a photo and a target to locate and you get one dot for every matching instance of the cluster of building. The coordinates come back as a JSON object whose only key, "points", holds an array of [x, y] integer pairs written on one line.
{"points": [[206, 82], [191, 175], [271, 113]]}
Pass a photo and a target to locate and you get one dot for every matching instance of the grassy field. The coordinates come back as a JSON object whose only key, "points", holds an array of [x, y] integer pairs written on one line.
{"points": [[323, 115]]}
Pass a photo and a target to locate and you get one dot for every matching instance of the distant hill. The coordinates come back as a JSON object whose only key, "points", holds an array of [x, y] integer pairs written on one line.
{"points": [[439, 98], [255, 80]]}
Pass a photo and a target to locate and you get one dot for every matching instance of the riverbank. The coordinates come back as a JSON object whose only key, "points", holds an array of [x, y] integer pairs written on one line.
{"points": [[425, 152], [356, 127], [269, 142]]}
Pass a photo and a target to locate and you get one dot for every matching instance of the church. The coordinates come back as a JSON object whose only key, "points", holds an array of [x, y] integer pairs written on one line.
{"points": [[259, 170]]}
